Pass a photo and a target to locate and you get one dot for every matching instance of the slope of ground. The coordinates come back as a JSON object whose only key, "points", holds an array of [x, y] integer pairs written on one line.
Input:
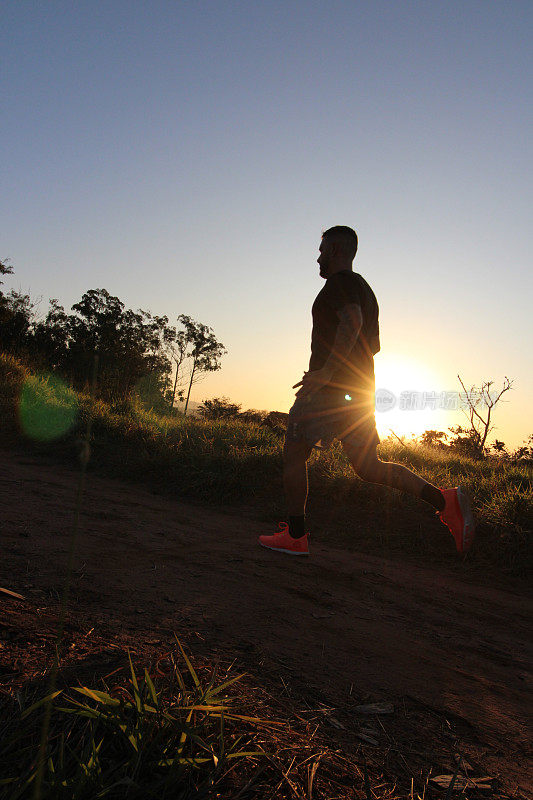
{"points": [[345, 627]]}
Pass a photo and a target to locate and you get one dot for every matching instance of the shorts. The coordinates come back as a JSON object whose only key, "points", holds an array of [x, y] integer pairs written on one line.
{"points": [[325, 416]]}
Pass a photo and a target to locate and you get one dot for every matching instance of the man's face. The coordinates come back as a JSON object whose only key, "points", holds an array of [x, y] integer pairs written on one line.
{"points": [[324, 259]]}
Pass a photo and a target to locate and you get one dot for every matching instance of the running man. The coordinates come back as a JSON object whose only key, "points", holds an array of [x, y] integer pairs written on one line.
{"points": [[336, 401]]}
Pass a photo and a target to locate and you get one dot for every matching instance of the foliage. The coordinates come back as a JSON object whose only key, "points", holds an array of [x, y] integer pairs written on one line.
{"points": [[5, 268], [130, 345], [175, 736], [465, 442], [253, 416], [219, 408], [223, 408], [135, 350], [433, 438], [15, 320], [524, 454], [16, 311]]}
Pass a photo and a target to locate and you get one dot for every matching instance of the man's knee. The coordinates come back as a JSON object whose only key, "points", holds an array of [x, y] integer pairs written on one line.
{"points": [[366, 464], [370, 469]]}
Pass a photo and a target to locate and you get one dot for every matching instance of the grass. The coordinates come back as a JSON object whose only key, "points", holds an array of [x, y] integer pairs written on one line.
{"points": [[231, 461], [144, 737], [171, 731], [120, 729]]}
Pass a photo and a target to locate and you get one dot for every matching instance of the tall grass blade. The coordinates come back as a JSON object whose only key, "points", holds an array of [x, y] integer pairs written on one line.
{"points": [[99, 697], [183, 736], [41, 702], [189, 665], [136, 693], [178, 676], [212, 692], [151, 688]]}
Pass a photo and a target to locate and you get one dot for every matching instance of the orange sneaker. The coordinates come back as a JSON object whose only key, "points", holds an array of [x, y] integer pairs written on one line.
{"points": [[285, 543], [458, 517]]}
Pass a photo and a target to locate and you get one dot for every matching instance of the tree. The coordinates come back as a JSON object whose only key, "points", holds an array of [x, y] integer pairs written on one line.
{"points": [[51, 337], [16, 314], [499, 446], [178, 354], [131, 346], [205, 351], [433, 438], [5, 268], [135, 350], [464, 442], [479, 428], [219, 408], [524, 454], [253, 416]]}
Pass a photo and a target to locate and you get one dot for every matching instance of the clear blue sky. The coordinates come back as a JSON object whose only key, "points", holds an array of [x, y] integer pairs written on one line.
{"points": [[187, 156]]}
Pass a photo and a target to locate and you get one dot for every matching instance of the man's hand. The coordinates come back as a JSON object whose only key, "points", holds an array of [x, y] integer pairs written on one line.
{"points": [[313, 381]]}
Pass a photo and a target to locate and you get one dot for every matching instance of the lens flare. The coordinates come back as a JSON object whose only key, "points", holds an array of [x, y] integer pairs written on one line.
{"points": [[47, 408]]}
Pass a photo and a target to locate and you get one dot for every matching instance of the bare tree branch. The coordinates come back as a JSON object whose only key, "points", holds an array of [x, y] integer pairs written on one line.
{"points": [[480, 426]]}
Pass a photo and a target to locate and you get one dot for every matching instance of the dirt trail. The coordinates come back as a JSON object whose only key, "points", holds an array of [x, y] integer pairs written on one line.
{"points": [[347, 624]]}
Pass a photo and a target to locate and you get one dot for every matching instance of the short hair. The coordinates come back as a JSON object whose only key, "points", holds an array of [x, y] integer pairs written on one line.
{"points": [[345, 236]]}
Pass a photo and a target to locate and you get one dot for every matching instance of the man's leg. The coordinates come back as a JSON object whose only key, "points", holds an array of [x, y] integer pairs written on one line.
{"points": [[294, 540], [453, 505], [370, 468], [295, 455]]}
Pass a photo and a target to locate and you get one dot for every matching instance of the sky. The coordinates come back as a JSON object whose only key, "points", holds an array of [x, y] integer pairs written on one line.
{"points": [[186, 156]]}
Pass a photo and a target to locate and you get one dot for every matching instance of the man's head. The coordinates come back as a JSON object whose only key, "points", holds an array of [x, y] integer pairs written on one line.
{"points": [[337, 250]]}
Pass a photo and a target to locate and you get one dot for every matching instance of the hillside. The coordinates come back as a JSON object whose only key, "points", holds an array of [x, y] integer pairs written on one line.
{"points": [[449, 656], [384, 611]]}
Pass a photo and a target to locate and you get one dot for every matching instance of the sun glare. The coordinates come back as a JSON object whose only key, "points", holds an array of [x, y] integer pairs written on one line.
{"points": [[404, 397]]}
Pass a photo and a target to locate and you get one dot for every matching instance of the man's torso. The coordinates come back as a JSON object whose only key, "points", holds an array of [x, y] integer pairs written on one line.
{"points": [[357, 375]]}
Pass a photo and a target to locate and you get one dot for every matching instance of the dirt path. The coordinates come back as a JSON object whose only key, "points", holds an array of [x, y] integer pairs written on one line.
{"points": [[352, 626]]}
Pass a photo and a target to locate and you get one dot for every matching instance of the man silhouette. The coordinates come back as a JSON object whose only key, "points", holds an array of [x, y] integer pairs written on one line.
{"points": [[336, 401]]}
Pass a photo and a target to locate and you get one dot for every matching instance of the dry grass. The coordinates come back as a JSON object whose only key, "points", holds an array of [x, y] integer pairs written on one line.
{"points": [[298, 746]]}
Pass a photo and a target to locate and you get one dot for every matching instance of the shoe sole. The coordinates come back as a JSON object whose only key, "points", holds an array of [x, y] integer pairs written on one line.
{"points": [[465, 505], [281, 550]]}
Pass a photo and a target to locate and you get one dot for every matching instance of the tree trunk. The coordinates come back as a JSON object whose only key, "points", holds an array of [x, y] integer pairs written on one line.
{"points": [[486, 431], [174, 390], [189, 392]]}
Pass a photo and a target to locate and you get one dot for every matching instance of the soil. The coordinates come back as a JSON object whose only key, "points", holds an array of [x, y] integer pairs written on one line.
{"points": [[452, 655]]}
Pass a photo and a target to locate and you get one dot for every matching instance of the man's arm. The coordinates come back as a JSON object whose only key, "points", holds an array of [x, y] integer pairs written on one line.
{"points": [[350, 323]]}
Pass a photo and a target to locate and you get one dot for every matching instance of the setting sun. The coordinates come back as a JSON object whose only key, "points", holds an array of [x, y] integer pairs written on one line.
{"points": [[406, 390]]}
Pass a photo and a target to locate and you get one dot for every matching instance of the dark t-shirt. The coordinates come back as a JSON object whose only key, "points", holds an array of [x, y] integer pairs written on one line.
{"points": [[340, 290]]}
